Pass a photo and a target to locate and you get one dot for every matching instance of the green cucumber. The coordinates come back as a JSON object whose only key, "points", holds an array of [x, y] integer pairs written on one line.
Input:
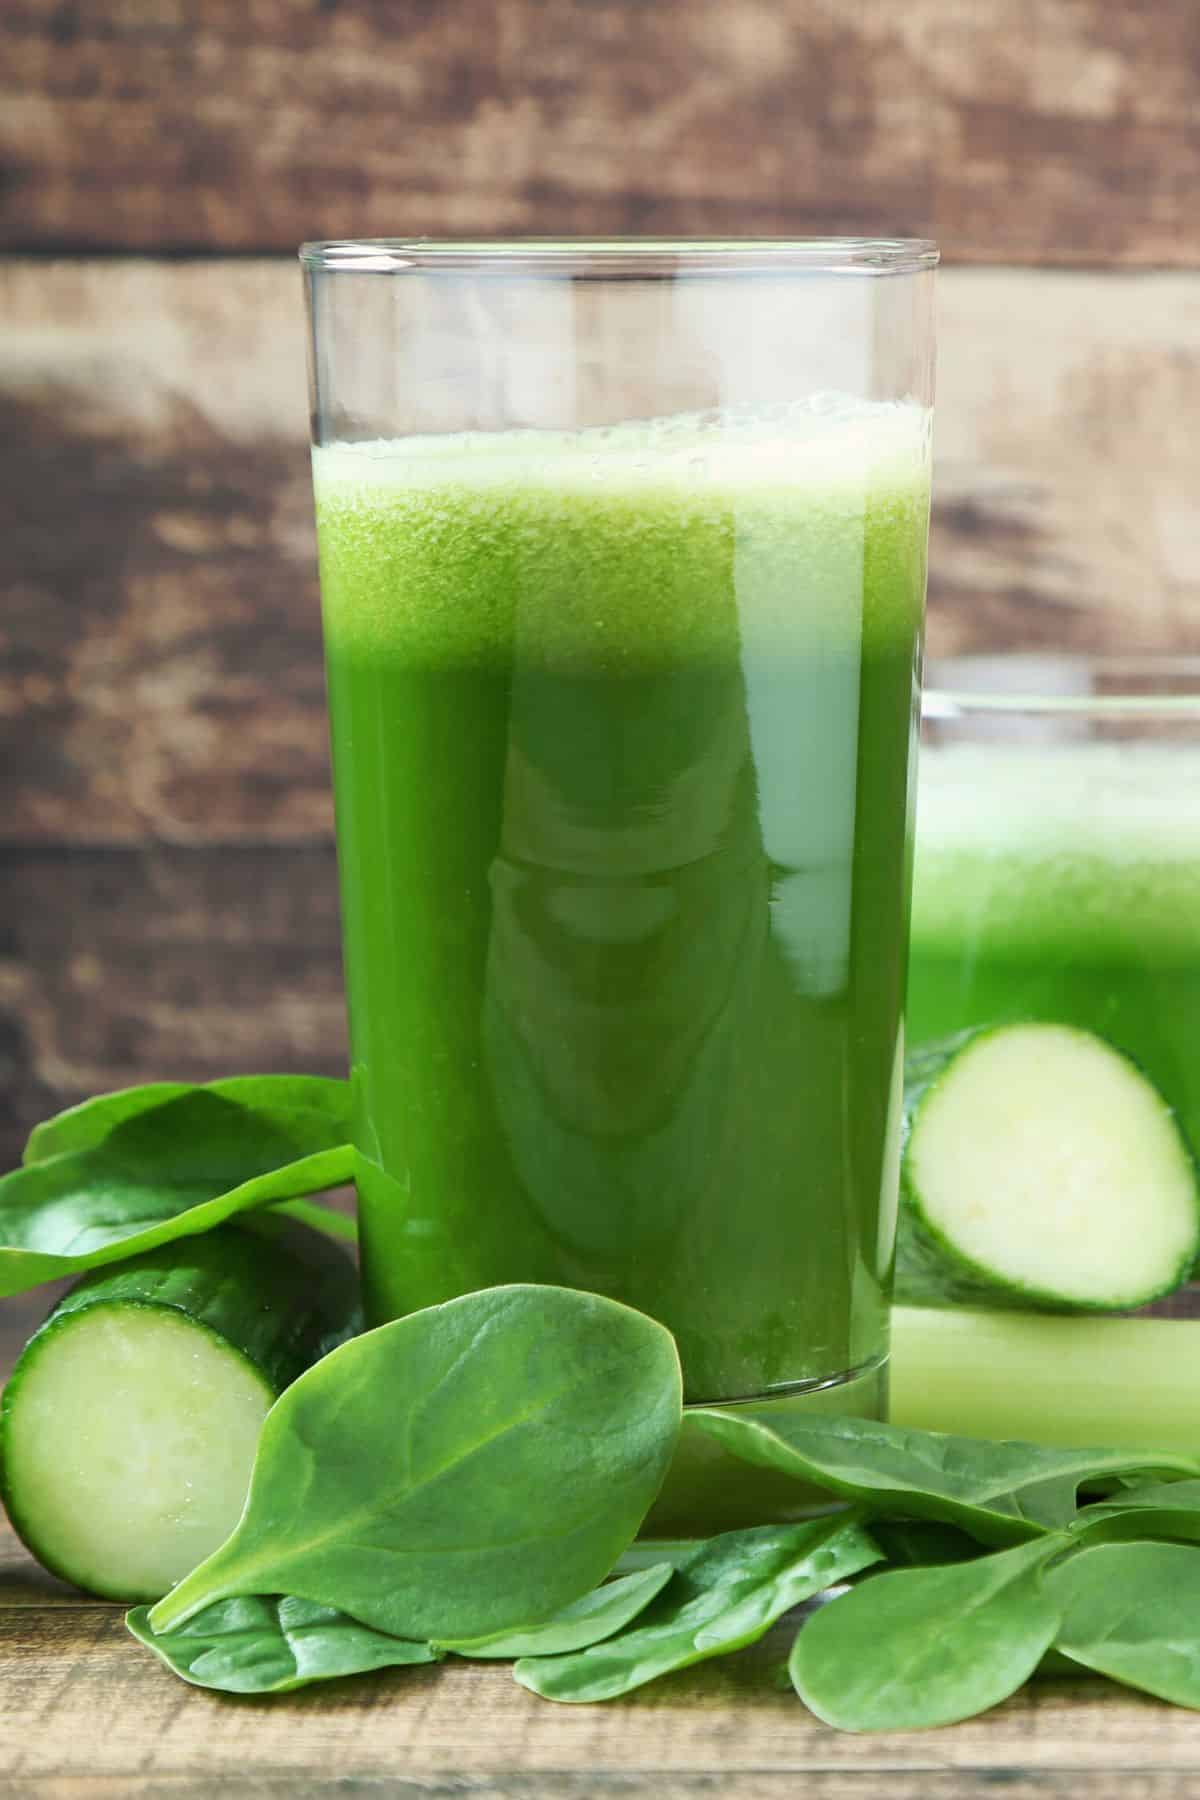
{"points": [[1041, 1169], [128, 1427], [1047, 1379]]}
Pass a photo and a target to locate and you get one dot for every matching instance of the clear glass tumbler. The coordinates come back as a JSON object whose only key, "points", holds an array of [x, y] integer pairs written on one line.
{"points": [[622, 553], [1058, 856]]}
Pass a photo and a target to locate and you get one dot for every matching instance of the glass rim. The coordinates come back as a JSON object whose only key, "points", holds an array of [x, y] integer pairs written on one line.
{"points": [[1134, 686], [622, 255]]}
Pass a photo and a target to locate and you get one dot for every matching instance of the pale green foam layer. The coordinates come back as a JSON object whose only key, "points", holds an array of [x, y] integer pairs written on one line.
{"points": [[829, 444], [616, 546], [1095, 841]]}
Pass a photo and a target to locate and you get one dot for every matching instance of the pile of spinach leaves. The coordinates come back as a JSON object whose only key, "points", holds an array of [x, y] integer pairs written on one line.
{"points": [[469, 1481]]}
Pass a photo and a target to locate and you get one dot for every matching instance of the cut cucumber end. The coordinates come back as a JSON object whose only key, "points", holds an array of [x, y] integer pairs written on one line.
{"points": [[1044, 1163], [128, 1435], [1048, 1379]]}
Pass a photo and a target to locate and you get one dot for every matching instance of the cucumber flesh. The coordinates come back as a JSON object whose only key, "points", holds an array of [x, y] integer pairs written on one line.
{"points": [[127, 1458], [129, 1426], [1043, 1168]]}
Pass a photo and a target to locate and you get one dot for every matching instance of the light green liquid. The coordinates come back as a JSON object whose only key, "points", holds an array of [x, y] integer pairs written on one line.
{"points": [[621, 728], [1063, 883]]}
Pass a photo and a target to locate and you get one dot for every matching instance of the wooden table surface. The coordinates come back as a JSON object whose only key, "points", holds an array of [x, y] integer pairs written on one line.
{"points": [[84, 1711]]}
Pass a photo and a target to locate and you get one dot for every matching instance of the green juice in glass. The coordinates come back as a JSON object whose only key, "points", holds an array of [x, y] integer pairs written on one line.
{"points": [[1063, 882], [621, 727]]}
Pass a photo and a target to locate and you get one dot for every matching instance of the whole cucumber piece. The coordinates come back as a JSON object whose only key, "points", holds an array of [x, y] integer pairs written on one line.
{"points": [[128, 1427], [1041, 1169]]}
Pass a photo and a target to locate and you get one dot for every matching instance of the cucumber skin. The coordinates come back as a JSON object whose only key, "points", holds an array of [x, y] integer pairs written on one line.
{"points": [[242, 1283], [238, 1283], [929, 1270]]}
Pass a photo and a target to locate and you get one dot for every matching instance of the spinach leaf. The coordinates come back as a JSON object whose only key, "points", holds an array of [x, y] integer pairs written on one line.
{"points": [[1145, 1526], [310, 1101], [722, 1597], [1179, 1496], [1130, 1612], [270, 1646], [180, 1165], [1161, 1510], [650, 1550], [1000, 1493], [916, 1647], [462, 1472], [605, 1610]]}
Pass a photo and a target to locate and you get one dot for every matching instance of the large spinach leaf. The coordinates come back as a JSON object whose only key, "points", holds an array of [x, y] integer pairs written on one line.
{"points": [[1000, 1493], [270, 1646], [929, 1646], [465, 1471], [133, 1170], [1130, 1611], [721, 1598]]}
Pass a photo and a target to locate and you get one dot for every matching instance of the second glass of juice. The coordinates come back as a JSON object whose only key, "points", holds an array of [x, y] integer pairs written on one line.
{"points": [[1058, 856], [622, 554]]}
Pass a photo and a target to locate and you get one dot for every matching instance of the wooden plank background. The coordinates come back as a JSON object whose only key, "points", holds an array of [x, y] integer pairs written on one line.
{"points": [[167, 901], [1014, 130]]}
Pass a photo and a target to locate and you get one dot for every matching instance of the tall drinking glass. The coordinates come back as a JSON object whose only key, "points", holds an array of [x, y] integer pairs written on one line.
{"points": [[622, 552]]}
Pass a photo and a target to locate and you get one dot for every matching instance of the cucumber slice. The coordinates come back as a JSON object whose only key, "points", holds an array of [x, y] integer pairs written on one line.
{"points": [[1041, 1168], [129, 1425]]}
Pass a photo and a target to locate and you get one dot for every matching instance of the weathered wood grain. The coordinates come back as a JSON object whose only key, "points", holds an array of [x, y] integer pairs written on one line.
{"points": [[1065, 509], [159, 635], [127, 965], [1059, 130], [604, 1784]]}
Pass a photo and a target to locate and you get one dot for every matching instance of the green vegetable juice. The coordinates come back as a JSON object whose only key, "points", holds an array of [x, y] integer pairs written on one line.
{"points": [[1063, 882], [621, 727]]}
